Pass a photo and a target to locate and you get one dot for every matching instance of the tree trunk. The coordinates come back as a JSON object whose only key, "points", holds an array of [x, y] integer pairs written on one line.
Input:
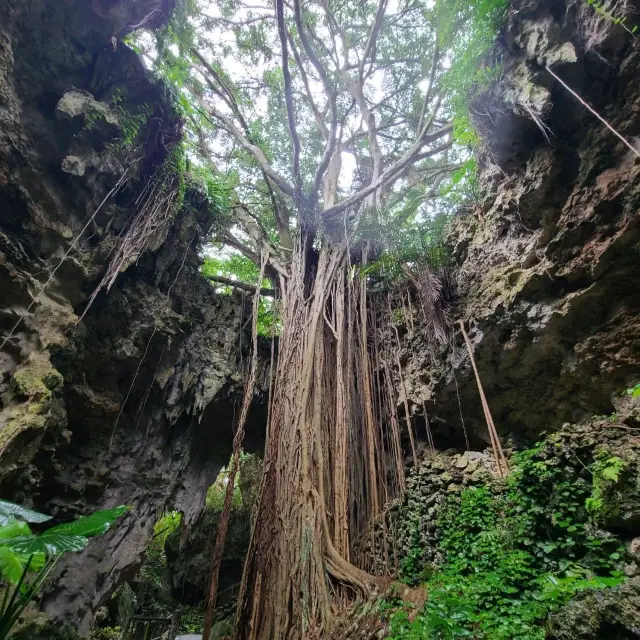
{"points": [[296, 561]]}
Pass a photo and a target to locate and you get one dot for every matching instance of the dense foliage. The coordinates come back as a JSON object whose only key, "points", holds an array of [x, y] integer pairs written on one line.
{"points": [[515, 551]]}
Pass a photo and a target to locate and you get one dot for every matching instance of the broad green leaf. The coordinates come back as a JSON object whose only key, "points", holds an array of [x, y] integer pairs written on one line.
{"points": [[37, 561], [47, 543], [11, 566], [15, 529], [88, 526], [10, 511]]}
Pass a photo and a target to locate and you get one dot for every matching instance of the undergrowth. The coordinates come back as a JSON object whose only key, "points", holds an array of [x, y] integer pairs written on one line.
{"points": [[517, 550]]}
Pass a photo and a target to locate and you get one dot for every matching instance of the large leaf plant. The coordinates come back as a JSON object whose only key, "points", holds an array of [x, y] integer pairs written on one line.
{"points": [[27, 558]]}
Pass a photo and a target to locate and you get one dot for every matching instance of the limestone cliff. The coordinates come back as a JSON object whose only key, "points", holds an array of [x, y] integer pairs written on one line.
{"points": [[545, 264], [133, 403]]}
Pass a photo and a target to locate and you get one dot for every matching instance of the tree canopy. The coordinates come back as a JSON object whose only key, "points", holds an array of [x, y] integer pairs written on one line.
{"points": [[328, 117]]}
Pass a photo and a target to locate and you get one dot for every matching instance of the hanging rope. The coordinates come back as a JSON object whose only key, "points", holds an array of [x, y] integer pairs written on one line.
{"points": [[498, 453]]}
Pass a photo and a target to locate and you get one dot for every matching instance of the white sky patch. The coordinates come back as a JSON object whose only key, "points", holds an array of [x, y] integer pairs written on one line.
{"points": [[348, 169], [424, 85]]}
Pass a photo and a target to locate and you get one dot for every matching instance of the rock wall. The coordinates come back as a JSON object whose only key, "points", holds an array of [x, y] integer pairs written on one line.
{"points": [[132, 403], [546, 263]]}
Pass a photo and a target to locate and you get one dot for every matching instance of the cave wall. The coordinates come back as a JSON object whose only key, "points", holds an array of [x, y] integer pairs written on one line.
{"points": [[545, 262], [134, 402]]}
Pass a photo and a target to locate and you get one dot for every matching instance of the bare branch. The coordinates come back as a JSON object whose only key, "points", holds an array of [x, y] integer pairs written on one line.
{"points": [[280, 214], [433, 152], [355, 88]]}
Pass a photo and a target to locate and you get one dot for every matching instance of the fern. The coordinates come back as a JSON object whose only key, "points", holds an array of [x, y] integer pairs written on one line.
{"points": [[607, 471]]}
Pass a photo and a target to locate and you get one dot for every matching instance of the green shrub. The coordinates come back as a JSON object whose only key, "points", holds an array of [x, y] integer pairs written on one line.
{"points": [[516, 550]]}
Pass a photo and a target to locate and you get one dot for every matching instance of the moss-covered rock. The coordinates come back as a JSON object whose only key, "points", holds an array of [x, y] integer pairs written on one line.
{"points": [[613, 614]]}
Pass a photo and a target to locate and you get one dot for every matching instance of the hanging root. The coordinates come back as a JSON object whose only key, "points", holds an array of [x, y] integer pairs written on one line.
{"points": [[238, 438], [301, 570], [156, 207], [119, 185], [595, 113], [498, 453]]}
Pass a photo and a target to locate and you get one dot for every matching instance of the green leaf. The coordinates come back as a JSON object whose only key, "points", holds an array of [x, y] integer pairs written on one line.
{"points": [[49, 544], [10, 511], [88, 526], [15, 529], [11, 566]]}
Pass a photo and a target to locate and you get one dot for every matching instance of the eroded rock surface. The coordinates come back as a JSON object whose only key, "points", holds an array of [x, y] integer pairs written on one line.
{"points": [[546, 264], [134, 402]]}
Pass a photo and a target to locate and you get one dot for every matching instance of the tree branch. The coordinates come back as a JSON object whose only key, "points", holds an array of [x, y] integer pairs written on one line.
{"points": [[391, 172], [427, 96], [324, 77], [228, 239], [288, 94], [257, 153], [308, 94], [373, 36], [254, 230], [225, 93], [245, 286]]}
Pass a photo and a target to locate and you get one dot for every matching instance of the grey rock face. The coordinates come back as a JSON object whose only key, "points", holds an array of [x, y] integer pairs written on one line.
{"points": [[132, 404], [546, 263]]}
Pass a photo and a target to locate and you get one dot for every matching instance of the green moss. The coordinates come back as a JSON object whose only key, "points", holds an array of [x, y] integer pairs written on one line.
{"points": [[36, 378], [33, 386]]}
